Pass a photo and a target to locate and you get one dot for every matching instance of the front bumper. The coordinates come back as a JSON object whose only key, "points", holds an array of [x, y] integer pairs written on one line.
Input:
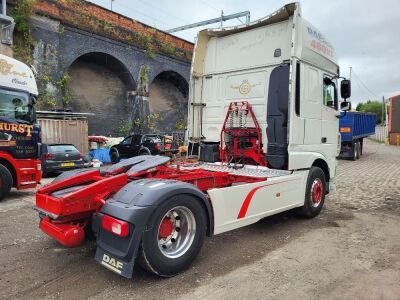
{"points": [[29, 173]]}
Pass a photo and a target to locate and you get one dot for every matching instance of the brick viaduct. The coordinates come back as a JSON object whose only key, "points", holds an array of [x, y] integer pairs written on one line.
{"points": [[93, 60]]}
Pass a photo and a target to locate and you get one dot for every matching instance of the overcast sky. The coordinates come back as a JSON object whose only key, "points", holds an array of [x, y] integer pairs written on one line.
{"points": [[364, 33]]}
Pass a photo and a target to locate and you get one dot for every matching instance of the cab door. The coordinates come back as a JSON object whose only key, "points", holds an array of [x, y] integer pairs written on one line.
{"points": [[311, 104], [330, 122]]}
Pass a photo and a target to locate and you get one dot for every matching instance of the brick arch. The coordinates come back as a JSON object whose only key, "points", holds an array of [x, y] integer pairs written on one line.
{"points": [[168, 99], [130, 78], [100, 84]]}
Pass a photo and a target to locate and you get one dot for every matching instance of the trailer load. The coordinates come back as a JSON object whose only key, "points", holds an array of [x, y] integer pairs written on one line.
{"points": [[353, 128], [268, 143]]}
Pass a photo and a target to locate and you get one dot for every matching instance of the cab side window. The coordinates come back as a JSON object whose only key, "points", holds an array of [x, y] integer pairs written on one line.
{"points": [[329, 93]]}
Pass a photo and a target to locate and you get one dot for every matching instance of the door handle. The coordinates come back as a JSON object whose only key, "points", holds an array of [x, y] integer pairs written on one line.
{"points": [[323, 140]]}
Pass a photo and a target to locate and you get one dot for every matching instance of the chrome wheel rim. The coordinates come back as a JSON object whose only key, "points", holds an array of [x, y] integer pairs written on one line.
{"points": [[176, 232], [316, 192]]}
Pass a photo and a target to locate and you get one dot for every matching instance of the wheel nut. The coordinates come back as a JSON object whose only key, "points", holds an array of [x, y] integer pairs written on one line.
{"points": [[173, 240]]}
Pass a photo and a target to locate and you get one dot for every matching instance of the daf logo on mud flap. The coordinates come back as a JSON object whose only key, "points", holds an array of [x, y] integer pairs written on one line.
{"points": [[112, 263]]}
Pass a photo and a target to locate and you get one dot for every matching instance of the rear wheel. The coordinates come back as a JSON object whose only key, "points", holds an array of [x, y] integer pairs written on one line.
{"points": [[177, 233], [6, 181], [315, 193], [114, 155], [359, 150], [354, 152]]}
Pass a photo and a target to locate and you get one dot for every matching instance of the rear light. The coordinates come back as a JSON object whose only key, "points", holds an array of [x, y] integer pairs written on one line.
{"points": [[49, 156], [345, 129], [167, 146], [158, 147], [80, 155], [115, 226]]}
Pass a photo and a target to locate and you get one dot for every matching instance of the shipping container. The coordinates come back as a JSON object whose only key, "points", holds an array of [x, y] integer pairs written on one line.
{"points": [[69, 131]]}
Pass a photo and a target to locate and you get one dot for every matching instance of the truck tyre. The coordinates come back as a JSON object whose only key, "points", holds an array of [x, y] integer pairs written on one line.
{"points": [[6, 181], [114, 155], [315, 193], [174, 236], [354, 152], [359, 151]]}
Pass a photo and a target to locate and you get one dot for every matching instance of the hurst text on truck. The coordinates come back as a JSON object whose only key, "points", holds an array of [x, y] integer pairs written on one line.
{"points": [[264, 113], [19, 135]]}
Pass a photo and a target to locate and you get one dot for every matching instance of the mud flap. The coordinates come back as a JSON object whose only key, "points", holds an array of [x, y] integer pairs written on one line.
{"points": [[123, 268]]}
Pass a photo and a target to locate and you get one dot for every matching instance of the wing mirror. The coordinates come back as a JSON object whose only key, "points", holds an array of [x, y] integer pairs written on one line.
{"points": [[345, 89], [345, 106]]}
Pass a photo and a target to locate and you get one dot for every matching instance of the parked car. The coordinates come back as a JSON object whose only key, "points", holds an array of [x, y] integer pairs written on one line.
{"points": [[142, 144], [60, 157]]}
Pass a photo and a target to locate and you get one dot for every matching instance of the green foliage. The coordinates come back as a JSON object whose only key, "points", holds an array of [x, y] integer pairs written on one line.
{"points": [[107, 26], [23, 41], [63, 84], [152, 119], [45, 100], [124, 129], [146, 41], [180, 124], [21, 13], [143, 79], [372, 106], [137, 122], [168, 49], [61, 30]]}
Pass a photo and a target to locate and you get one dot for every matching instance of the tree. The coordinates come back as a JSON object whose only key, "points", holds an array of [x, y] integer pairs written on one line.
{"points": [[372, 106]]}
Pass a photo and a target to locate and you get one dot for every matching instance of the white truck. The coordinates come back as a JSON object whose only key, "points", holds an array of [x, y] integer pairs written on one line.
{"points": [[264, 112]]}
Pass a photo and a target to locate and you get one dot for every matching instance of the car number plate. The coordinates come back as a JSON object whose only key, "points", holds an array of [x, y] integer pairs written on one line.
{"points": [[68, 164]]}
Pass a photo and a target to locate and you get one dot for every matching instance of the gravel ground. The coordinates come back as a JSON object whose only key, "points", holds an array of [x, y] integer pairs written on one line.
{"points": [[350, 251]]}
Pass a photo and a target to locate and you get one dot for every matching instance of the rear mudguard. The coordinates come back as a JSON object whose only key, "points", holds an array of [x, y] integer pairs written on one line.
{"points": [[135, 203]]}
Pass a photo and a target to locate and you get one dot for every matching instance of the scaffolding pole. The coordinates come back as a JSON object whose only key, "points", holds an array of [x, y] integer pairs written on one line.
{"points": [[221, 19]]}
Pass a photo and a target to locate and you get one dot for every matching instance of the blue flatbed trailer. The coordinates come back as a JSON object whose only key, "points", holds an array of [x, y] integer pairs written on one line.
{"points": [[353, 128]]}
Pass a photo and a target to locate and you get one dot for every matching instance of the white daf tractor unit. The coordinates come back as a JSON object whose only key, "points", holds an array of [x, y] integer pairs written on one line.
{"points": [[288, 71], [263, 117]]}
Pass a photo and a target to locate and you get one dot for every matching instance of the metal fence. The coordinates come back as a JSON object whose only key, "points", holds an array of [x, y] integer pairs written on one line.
{"points": [[381, 133]]}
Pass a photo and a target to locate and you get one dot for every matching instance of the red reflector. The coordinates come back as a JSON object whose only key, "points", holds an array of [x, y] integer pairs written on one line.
{"points": [[118, 227]]}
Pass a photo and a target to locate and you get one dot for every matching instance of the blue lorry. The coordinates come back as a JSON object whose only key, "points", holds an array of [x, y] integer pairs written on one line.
{"points": [[354, 127]]}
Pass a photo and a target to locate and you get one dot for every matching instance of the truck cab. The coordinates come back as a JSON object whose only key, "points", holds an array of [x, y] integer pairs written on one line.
{"points": [[288, 71], [19, 133]]}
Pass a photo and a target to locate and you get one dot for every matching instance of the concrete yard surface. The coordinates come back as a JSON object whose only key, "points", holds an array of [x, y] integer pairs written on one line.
{"points": [[350, 251]]}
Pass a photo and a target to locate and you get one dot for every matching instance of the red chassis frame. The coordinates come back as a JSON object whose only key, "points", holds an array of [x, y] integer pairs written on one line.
{"points": [[68, 213]]}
